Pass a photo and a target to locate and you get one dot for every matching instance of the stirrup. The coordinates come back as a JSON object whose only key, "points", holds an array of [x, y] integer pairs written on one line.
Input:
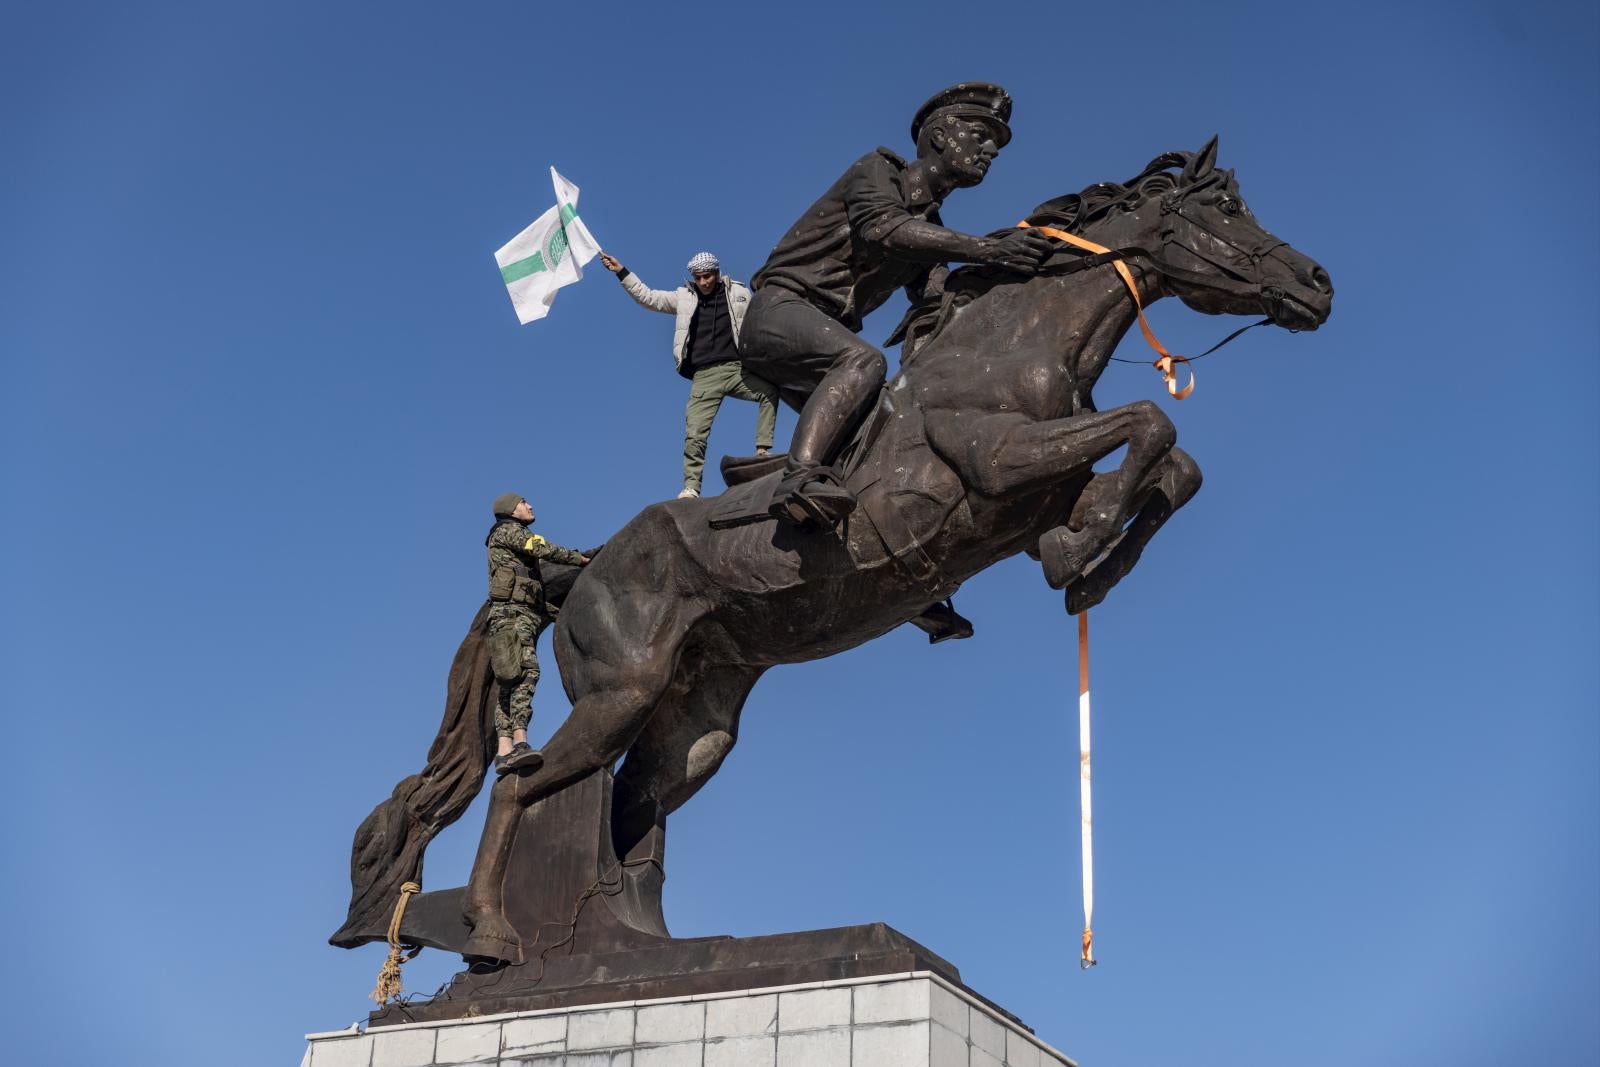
{"points": [[942, 622], [957, 628], [812, 494]]}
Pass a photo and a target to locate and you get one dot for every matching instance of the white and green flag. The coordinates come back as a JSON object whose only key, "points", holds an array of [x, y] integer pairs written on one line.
{"points": [[547, 255]]}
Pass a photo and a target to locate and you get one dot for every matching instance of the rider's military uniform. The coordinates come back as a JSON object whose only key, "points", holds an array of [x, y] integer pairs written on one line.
{"points": [[517, 614]]}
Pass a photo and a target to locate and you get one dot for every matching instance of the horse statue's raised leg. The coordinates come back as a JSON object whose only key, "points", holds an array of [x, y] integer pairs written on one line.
{"points": [[685, 736], [603, 723], [1169, 485], [999, 455], [595, 736], [679, 750], [618, 643]]}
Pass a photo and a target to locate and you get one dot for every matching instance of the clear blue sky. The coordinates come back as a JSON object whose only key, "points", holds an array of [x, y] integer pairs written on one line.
{"points": [[261, 380]]}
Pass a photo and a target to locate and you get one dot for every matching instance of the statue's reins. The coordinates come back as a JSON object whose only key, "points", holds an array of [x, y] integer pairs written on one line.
{"points": [[1116, 256], [1171, 203], [1166, 362]]}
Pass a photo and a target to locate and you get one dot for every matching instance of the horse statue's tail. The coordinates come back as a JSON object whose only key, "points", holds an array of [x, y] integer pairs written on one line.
{"points": [[389, 844]]}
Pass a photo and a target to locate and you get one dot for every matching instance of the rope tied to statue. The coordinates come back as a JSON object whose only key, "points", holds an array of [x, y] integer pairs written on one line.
{"points": [[1086, 834], [389, 984]]}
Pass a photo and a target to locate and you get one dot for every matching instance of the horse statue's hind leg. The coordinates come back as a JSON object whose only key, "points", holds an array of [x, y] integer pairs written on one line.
{"points": [[680, 749], [617, 653]]}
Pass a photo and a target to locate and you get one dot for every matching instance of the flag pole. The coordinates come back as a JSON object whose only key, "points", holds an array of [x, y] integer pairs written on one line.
{"points": [[1087, 960]]}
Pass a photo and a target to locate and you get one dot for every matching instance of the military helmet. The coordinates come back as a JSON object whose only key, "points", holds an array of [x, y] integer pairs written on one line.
{"points": [[506, 503]]}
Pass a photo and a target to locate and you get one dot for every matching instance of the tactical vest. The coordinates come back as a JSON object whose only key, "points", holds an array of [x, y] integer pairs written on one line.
{"points": [[516, 581]]}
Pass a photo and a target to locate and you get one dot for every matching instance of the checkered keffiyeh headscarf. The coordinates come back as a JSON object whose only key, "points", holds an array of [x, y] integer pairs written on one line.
{"points": [[703, 262]]}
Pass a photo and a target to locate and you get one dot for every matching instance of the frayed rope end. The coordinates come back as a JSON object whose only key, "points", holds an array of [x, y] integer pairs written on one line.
{"points": [[389, 984]]}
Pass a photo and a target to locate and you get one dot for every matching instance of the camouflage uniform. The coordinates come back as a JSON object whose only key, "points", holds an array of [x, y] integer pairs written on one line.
{"points": [[517, 614]]}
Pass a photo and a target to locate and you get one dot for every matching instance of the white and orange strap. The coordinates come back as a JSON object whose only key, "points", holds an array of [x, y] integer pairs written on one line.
{"points": [[1087, 959]]}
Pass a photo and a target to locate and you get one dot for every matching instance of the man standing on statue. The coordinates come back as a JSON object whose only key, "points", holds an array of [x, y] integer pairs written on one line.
{"points": [[705, 346], [877, 229]]}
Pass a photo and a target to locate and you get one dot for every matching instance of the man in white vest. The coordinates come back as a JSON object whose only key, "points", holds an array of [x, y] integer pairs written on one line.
{"points": [[705, 346]]}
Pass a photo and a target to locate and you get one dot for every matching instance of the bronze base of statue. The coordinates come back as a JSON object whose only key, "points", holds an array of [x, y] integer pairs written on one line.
{"points": [[676, 968], [591, 929]]}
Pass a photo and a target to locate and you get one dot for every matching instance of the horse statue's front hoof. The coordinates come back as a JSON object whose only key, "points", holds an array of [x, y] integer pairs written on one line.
{"points": [[1086, 594], [1062, 564]]}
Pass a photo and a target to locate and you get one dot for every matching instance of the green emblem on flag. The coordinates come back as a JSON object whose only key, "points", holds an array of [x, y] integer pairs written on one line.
{"points": [[555, 247]]}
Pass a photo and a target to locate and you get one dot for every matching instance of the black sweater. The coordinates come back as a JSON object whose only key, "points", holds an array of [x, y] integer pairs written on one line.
{"points": [[710, 334]]}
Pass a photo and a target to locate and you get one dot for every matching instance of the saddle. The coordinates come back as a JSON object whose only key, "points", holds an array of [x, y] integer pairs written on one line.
{"points": [[752, 484], [741, 470], [754, 481]]}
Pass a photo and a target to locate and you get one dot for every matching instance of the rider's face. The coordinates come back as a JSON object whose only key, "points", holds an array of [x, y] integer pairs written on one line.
{"points": [[524, 512], [966, 148], [706, 281]]}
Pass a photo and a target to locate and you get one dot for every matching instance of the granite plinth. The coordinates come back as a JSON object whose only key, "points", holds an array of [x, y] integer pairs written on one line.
{"points": [[915, 1019]]}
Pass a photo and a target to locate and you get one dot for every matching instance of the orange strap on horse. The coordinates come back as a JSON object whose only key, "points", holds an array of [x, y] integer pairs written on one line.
{"points": [[1167, 363]]}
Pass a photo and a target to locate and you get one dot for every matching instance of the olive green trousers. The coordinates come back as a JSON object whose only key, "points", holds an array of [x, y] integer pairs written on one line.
{"points": [[711, 384]]}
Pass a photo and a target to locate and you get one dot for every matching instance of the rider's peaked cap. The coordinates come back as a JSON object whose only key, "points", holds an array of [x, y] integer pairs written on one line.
{"points": [[506, 503], [968, 100]]}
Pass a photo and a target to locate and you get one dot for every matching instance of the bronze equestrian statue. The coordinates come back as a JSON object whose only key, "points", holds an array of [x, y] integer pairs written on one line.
{"points": [[983, 446]]}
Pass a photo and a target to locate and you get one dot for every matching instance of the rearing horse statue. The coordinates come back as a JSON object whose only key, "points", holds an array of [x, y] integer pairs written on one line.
{"points": [[982, 446]]}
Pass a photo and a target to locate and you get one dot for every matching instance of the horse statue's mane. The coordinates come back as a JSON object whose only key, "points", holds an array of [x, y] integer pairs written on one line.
{"points": [[1073, 212], [1077, 210]]}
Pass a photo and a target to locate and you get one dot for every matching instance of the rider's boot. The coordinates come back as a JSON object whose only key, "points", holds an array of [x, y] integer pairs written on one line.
{"points": [[811, 492]]}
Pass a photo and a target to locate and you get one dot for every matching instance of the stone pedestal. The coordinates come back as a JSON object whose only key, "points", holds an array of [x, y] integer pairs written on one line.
{"points": [[913, 1019]]}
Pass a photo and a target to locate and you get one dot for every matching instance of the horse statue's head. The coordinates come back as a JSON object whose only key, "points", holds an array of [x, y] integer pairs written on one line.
{"points": [[1186, 219]]}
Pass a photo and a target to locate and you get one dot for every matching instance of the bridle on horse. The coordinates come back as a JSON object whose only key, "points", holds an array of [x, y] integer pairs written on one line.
{"points": [[1171, 204]]}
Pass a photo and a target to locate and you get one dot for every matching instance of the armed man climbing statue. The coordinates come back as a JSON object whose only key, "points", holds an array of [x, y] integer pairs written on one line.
{"points": [[875, 230], [518, 613]]}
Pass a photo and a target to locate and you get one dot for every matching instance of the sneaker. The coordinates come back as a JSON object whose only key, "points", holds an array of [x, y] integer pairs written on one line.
{"points": [[688, 494], [522, 756]]}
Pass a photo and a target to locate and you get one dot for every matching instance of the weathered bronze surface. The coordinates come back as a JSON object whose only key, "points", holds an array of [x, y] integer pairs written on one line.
{"points": [[982, 447]]}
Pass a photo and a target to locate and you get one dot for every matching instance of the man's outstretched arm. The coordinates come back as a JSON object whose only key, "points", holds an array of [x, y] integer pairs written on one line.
{"points": [[663, 300], [537, 547]]}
